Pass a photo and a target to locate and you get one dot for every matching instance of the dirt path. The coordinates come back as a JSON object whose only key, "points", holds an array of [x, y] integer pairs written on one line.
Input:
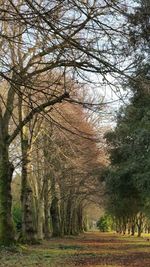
{"points": [[112, 250], [93, 249]]}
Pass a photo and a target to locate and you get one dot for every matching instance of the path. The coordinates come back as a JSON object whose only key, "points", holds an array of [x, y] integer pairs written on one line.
{"points": [[93, 249]]}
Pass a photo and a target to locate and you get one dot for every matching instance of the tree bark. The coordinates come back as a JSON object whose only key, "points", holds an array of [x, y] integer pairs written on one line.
{"points": [[40, 219], [139, 230], [124, 225], [140, 224], [7, 233], [68, 216], [55, 215], [46, 211], [55, 210], [28, 227], [63, 207], [80, 219], [74, 222], [133, 227]]}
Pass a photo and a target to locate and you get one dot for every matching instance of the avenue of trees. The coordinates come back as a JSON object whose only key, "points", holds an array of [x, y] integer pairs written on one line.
{"points": [[51, 53], [59, 175], [128, 176]]}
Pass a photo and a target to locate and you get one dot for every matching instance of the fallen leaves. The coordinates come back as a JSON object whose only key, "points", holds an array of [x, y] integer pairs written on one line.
{"points": [[92, 249]]}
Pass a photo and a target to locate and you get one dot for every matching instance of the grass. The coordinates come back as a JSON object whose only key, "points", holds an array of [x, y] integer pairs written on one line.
{"points": [[93, 249]]}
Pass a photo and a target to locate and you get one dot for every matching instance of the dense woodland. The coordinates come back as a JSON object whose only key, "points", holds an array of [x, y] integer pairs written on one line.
{"points": [[57, 155]]}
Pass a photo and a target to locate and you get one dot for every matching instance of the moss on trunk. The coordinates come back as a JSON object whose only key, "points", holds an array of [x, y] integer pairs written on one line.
{"points": [[55, 215], [7, 233], [28, 228]]}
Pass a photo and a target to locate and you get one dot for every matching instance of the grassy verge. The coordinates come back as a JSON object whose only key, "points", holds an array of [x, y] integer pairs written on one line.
{"points": [[90, 250]]}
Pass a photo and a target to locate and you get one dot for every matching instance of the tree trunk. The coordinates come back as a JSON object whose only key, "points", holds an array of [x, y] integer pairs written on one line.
{"points": [[85, 224], [55, 216], [68, 216], [63, 206], [133, 226], [46, 188], [46, 212], [139, 230], [40, 219], [140, 224], [129, 230], [55, 210], [63, 216], [119, 226], [28, 227], [80, 219], [74, 227], [7, 233], [124, 225]]}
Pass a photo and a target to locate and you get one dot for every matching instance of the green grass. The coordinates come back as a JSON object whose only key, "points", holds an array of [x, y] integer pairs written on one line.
{"points": [[88, 250]]}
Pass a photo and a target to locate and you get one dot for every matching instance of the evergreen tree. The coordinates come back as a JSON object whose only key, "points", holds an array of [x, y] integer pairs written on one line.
{"points": [[128, 177]]}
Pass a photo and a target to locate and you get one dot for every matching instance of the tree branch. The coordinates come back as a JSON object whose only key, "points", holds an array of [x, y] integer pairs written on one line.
{"points": [[34, 111]]}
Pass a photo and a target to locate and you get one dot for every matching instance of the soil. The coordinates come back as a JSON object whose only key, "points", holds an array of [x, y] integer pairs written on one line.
{"points": [[92, 249]]}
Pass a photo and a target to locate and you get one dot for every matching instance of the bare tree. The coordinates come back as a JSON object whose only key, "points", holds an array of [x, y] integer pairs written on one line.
{"points": [[72, 38]]}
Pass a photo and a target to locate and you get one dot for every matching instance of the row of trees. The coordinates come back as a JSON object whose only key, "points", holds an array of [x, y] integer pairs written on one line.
{"points": [[57, 177], [47, 48], [127, 177]]}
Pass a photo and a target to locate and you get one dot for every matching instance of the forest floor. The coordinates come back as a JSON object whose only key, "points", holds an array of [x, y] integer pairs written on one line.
{"points": [[92, 249]]}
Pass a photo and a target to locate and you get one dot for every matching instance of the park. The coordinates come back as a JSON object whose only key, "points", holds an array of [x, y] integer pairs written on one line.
{"points": [[74, 133]]}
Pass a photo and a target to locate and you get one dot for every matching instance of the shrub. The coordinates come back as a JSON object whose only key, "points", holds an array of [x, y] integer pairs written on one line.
{"points": [[104, 224]]}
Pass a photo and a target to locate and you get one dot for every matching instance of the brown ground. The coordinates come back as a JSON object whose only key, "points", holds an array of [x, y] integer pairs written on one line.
{"points": [[92, 249]]}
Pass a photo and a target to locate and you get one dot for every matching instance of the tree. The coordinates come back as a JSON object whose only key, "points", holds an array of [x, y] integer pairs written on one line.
{"points": [[39, 40], [74, 150], [60, 176], [127, 180]]}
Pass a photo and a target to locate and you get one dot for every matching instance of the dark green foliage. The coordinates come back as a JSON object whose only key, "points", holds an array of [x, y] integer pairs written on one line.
{"points": [[123, 197], [17, 217], [128, 177]]}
